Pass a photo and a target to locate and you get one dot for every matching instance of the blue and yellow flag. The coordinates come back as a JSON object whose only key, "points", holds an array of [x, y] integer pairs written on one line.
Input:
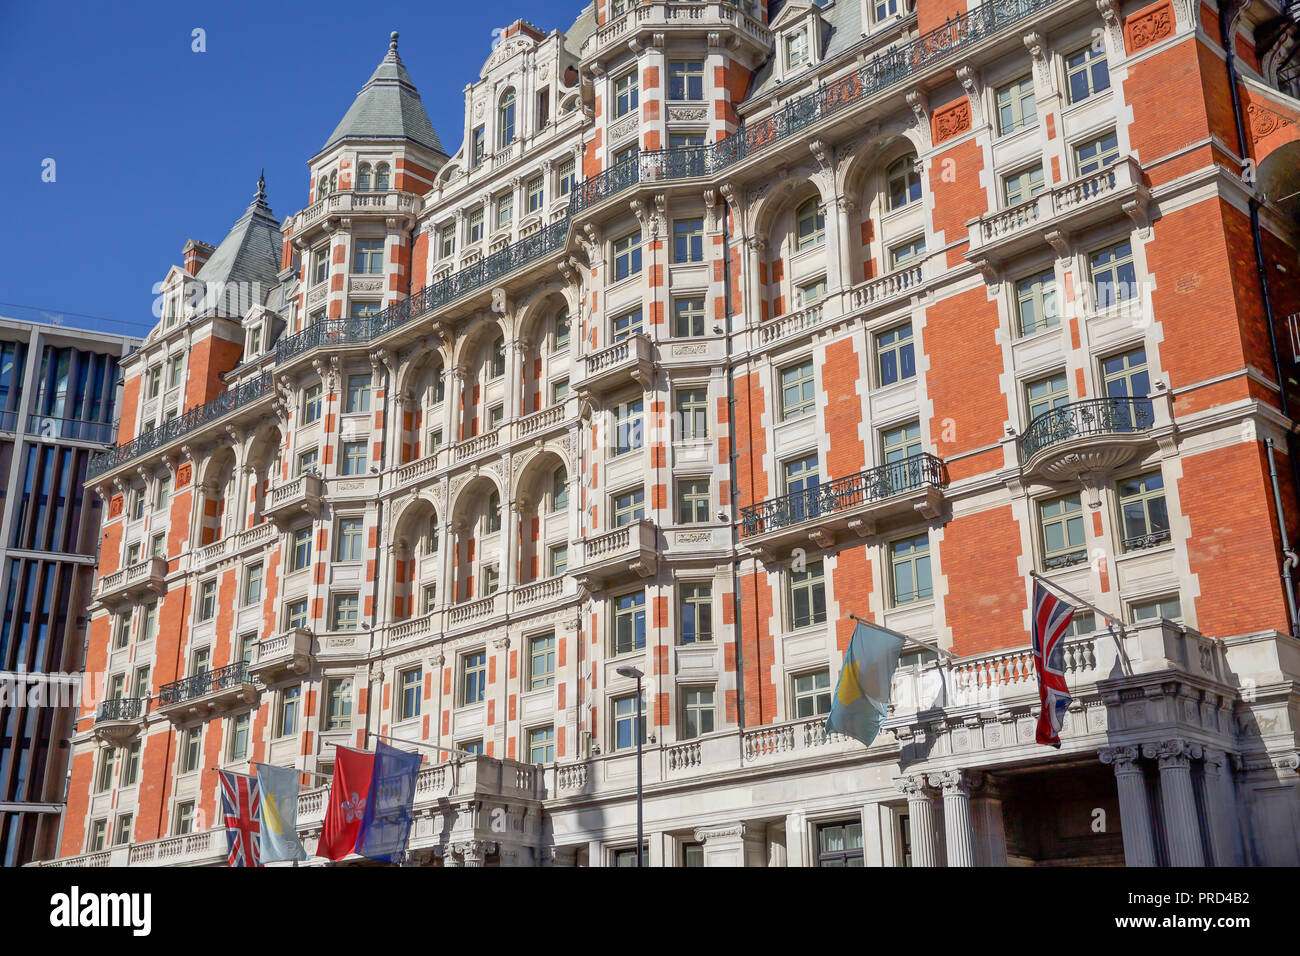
{"points": [[862, 694], [279, 836]]}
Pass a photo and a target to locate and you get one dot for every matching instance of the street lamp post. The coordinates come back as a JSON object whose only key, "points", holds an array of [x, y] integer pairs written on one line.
{"points": [[629, 671]]}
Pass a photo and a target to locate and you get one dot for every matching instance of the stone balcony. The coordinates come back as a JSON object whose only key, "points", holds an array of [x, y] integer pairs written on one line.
{"points": [[132, 583], [1056, 213], [1092, 437], [649, 17], [206, 693], [617, 366], [631, 548], [281, 656], [897, 492], [354, 203], [119, 719], [294, 498]]}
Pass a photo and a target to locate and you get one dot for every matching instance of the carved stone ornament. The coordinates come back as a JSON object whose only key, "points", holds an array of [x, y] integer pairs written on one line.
{"points": [[1149, 26], [952, 120]]}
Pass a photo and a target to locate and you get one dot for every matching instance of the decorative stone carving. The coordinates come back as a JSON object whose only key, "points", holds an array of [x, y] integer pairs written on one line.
{"points": [[952, 120], [1149, 26]]}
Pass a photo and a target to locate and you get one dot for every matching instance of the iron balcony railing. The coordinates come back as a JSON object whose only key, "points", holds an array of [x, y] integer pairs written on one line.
{"points": [[204, 682], [1093, 416], [123, 708], [182, 424], [875, 484]]}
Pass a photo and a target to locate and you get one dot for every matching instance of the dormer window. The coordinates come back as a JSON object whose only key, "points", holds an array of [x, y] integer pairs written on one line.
{"points": [[796, 50], [255, 341], [506, 119]]}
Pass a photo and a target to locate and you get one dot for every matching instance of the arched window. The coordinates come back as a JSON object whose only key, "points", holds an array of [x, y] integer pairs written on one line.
{"points": [[431, 536], [498, 365], [562, 329], [381, 177], [494, 513], [322, 186], [363, 178], [904, 182], [506, 119], [811, 224], [559, 489], [334, 181]]}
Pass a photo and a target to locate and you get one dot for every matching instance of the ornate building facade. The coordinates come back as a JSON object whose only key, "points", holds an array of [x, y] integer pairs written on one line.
{"points": [[726, 321]]}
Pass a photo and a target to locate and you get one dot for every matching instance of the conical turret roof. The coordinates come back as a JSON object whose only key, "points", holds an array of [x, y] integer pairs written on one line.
{"points": [[387, 108]]}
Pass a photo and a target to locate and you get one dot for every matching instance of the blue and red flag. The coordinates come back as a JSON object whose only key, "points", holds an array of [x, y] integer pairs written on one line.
{"points": [[241, 805], [370, 804], [1051, 620]]}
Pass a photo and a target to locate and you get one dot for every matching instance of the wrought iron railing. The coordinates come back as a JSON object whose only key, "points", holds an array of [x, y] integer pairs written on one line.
{"points": [[204, 682], [1093, 416], [123, 708], [182, 424], [875, 484], [1152, 539]]}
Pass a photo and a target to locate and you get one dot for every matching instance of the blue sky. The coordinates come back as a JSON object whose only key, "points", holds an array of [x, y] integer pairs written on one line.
{"points": [[154, 144]]}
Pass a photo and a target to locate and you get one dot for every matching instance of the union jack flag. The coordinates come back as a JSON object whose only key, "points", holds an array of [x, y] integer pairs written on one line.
{"points": [[241, 803], [1052, 617]]}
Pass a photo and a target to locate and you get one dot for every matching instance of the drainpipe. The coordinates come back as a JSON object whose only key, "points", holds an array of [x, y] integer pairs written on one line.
{"points": [[1226, 31], [731, 464], [1290, 558]]}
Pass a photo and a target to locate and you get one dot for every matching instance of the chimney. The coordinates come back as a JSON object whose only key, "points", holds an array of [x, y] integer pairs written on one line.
{"points": [[526, 28], [196, 253]]}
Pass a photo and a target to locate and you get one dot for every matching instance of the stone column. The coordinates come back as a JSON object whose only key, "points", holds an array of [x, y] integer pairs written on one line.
{"points": [[844, 208], [920, 812], [989, 827], [1221, 810], [755, 290], [738, 845], [515, 349], [516, 513], [958, 835], [1182, 822], [450, 546], [473, 851], [453, 411], [1134, 811]]}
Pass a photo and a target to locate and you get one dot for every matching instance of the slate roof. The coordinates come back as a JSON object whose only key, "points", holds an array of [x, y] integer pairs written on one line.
{"points": [[388, 107], [249, 257], [844, 19]]}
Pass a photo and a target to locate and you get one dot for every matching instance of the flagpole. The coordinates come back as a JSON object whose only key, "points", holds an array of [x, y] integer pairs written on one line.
{"points": [[1119, 638], [305, 773], [905, 637], [440, 748]]}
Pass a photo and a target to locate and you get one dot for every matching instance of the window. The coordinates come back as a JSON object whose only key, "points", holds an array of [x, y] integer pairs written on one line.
{"points": [[1114, 276], [1168, 608], [541, 661], [541, 745], [125, 825], [688, 317], [884, 8], [543, 108], [287, 718], [1086, 73], [190, 750], [479, 152], [354, 458], [349, 543], [692, 413], [1125, 375], [311, 397], [628, 857], [697, 712], [506, 119], [561, 336], [207, 608], [797, 398], [627, 256], [558, 558], [895, 355], [307, 461], [447, 241], [246, 644], [1044, 394], [811, 694], [122, 630], [807, 595], [301, 549], [693, 500], [473, 677], [429, 598], [810, 224], [364, 310], [382, 177], [1036, 303], [559, 490], [368, 257], [566, 176], [536, 192], [692, 854], [98, 834], [345, 613], [338, 707], [239, 737], [1016, 105], [901, 443], [1095, 154], [321, 264], [491, 579], [1023, 185], [627, 715], [492, 523], [626, 325], [909, 561], [295, 614], [363, 178], [629, 622], [255, 340], [1063, 535], [174, 369], [812, 292], [471, 746], [559, 391], [497, 363], [150, 626], [628, 507], [696, 613], [474, 225], [162, 493], [107, 769], [686, 80], [1143, 512], [495, 416], [688, 240], [796, 50], [904, 182], [252, 584], [906, 252], [158, 545], [505, 207], [358, 394], [625, 94], [839, 844], [184, 820], [1083, 622], [627, 426], [154, 379], [133, 553], [411, 684], [137, 505]]}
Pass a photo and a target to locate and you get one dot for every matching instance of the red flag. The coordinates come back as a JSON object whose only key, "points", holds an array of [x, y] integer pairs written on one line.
{"points": [[348, 792]]}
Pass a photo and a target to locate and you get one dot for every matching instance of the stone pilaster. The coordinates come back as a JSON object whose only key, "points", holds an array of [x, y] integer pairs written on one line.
{"points": [[1182, 822], [920, 811], [958, 836], [1134, 811]]}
